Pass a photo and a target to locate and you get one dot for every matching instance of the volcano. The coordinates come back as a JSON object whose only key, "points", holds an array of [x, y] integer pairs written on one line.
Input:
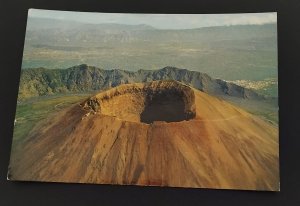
{"points": [[161, 133]]}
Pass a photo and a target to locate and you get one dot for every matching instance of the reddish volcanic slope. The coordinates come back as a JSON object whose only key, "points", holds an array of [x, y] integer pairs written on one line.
{"points": [[160, 133]]}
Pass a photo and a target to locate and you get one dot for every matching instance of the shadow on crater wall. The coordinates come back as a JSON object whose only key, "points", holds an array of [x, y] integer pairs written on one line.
{"points": [[167, 101], [166, 106]]}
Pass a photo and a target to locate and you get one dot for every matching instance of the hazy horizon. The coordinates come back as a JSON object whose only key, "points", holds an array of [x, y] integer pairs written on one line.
{"points": [[234, 47], [158, 21]]}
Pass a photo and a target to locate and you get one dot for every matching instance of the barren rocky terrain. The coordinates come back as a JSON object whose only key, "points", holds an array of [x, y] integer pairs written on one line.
{"points": [[162, 133]]}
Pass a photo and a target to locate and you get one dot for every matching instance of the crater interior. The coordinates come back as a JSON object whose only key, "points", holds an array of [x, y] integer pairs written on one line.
{"points": [[168, 101]]}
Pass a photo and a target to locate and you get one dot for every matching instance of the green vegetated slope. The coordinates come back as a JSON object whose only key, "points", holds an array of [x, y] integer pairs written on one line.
{"points": [[43, 84], [83, 78], [30, 112]]}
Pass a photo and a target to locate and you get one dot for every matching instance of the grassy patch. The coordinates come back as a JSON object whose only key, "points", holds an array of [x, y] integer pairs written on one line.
{"points": [[30, 113]]}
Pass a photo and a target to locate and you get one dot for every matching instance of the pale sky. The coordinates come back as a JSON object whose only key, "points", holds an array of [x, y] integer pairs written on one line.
{"points": [[160, 21]]}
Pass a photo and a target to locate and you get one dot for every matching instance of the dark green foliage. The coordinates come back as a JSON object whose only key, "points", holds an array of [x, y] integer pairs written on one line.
{"points": [[83, 78]]}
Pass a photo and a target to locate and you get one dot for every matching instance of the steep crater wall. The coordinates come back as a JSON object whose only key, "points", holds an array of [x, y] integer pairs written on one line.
{"points": [[168, 101]]}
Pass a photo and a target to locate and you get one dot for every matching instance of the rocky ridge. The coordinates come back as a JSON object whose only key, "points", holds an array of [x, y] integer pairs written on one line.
{"points": [[83, 78]]}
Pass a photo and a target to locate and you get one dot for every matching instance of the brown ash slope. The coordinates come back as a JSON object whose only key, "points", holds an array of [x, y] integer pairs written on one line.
{"points": [[160, 133]]}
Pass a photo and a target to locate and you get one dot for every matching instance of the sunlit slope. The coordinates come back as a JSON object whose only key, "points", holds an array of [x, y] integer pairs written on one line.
{"points": [[222, 146]]}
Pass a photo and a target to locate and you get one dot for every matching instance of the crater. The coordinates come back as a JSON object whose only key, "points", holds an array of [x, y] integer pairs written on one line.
{"points": [[168, 101]]}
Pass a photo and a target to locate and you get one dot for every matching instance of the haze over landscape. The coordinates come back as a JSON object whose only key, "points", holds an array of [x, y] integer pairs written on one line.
{"points": [[150, 99], [243, 52]]}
